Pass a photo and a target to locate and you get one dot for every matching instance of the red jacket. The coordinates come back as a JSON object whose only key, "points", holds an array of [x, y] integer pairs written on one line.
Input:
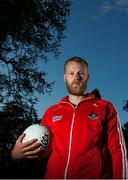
{"points": [[87, 140]]}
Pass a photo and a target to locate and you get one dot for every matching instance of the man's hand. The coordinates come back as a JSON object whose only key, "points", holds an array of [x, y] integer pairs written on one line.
{"points": [[29, 150]]}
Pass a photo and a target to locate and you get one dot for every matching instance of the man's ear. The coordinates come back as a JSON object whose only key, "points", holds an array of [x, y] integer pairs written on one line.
{"points": [[88, 77], [64, 77]]}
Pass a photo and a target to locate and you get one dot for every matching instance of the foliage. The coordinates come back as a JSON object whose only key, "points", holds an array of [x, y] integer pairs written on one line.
{"points": [[34, 22], [125, 133], [125, 126], [30, 32], [125, 108]]}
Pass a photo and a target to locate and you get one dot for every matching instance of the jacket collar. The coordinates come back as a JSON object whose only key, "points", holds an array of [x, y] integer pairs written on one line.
{"points": [[95, 94]]}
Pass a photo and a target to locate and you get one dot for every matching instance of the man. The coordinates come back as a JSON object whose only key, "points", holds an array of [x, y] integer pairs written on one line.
{"points": [[87, 140]]}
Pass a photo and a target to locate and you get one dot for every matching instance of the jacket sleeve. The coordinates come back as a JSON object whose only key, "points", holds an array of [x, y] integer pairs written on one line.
{"points": [[116, 144], [44, 119]]}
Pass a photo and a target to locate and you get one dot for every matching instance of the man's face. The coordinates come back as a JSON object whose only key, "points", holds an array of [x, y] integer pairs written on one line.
{"points": [[76, 77]]}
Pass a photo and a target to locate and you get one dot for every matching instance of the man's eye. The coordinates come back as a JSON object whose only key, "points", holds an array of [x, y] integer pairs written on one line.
{"points": [[80, 73], [71, 73]]}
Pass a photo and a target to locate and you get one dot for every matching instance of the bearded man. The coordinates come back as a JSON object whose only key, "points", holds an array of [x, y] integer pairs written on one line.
{"points": [[87, 140]]}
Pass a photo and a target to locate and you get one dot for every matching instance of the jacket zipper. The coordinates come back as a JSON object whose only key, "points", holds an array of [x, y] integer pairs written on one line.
{"points": [[70, 144], [70, 140]]}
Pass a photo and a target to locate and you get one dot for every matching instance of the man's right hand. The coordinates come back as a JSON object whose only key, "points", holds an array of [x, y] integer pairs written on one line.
{"points": [[29, 150]]}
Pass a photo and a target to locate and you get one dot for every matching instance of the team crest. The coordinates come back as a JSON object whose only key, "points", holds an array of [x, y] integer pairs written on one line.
{"points": [[93, 116]]}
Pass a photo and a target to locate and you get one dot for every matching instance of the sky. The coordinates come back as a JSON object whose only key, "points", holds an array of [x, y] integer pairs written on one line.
{"points": [[97, 30]]}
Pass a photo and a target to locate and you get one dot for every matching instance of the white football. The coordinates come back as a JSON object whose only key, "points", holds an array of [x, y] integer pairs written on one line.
{"points": [[39, 132]]}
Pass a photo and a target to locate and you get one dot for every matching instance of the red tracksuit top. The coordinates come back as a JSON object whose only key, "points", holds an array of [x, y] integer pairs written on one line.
{"points": [[87, 140]]}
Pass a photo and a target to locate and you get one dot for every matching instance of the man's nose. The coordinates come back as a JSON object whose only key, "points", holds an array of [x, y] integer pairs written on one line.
{"points": [[78, 77]]}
